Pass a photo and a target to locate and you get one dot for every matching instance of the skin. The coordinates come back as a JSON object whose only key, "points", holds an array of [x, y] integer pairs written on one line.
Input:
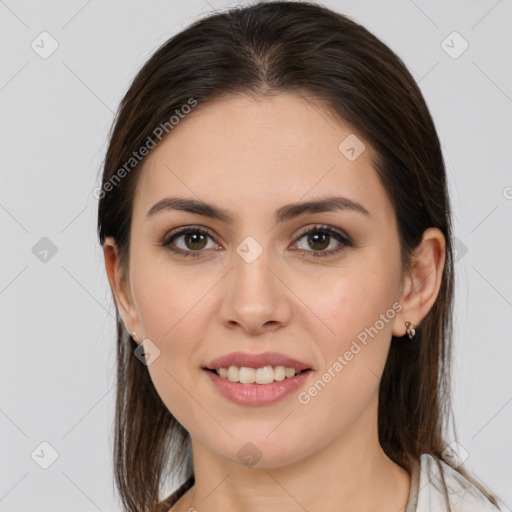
{"points": [[251, 155]]}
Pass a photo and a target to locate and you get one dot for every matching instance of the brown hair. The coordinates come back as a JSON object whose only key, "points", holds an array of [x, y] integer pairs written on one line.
{"points": [[302, 48]]}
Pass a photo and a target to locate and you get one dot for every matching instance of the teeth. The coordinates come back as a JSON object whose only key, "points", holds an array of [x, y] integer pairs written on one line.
{"points": [[264, 375]]}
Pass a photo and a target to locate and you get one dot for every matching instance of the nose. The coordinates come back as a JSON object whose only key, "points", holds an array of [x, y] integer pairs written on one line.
{"points": [[254, 298]]}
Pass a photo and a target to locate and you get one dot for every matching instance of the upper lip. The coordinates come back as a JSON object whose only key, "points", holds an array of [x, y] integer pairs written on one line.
{"points": [[251, 360]]}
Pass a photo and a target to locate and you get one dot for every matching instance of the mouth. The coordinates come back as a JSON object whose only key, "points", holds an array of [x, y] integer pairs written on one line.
{"points": [[248, 361], [257, 379], [261, 376], [251, 389]]}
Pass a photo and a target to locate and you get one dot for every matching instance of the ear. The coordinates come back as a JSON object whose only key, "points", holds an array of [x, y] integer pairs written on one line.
{"points": [[120, 286], [423, 280]]}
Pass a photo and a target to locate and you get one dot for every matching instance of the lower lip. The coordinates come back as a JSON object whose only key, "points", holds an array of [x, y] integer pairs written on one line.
{"points": [[257, 394]]}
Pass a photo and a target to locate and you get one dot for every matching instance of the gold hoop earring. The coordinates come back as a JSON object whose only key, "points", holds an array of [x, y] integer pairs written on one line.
{"points": [[411, 330]]}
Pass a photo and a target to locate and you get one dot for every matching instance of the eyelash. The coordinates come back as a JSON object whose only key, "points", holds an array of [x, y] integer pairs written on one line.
{"points": [[343, 239]]}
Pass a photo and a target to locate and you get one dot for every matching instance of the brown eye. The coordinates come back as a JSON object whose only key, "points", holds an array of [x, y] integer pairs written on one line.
{"points": [[188, 242], [318, 241], [195, 241], [320, 238]]}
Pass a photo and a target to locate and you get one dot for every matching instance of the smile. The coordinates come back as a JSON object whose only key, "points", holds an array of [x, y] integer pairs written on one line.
{"points": [[251, 393]]}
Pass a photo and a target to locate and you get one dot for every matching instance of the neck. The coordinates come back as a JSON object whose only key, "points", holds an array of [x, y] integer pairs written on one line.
{"points": [[351, 473]]}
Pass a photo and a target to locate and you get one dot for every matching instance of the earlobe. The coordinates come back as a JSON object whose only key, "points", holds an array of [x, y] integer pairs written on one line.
{"points": [[422, 281], [119, 285]]}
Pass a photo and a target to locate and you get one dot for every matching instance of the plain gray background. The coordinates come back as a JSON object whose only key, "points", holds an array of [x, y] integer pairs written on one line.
{"points": [[57, 328]]}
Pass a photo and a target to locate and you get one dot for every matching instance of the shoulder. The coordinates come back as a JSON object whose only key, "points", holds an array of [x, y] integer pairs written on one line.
{"points": [[441, 487]]}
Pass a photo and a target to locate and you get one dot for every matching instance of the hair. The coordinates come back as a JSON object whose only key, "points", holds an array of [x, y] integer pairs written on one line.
{"points": [[306, 49]]}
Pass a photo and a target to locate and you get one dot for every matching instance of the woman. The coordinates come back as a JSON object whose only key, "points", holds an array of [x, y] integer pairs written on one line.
{"points": [[276, 231]]}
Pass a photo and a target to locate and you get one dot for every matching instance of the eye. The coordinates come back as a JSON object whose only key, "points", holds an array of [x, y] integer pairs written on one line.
{"points": [[321, 237], [193, 241]]}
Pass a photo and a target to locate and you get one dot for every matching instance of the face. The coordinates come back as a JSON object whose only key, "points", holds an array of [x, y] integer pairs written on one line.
{"points": [[321, 286]]}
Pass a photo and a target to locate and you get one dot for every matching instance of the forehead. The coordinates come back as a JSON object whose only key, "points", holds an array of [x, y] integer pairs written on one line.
{"points": [[248, 152]]}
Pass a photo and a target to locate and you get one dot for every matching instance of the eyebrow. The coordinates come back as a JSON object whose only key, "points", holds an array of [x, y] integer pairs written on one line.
{"points": [[287, 212]]}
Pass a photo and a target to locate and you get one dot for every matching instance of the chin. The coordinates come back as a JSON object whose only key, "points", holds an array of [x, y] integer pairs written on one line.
{"points": [[258, 452]]}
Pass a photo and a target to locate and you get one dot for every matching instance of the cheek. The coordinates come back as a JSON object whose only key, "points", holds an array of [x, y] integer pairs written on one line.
{"points": [[171, 306], [359, 308], [354, 301], [167, 295], [360, 311]]}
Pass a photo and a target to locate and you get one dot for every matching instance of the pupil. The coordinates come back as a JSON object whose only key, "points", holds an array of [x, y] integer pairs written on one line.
{"points": [[196, 239], [314, 240]]}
